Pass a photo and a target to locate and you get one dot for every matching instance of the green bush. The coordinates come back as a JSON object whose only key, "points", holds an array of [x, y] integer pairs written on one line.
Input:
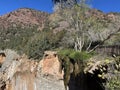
{"points": [[80, 55], [72, 60], [113, 83], [42, 41], [65, 52], [75, 55], [15, 38]]}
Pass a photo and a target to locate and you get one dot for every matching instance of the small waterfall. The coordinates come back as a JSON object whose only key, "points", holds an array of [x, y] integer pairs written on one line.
{"points": [[22, 81]]}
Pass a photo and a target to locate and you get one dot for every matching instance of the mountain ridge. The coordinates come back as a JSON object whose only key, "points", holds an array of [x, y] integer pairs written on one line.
{"points": [[24, 17], [27, 17]]}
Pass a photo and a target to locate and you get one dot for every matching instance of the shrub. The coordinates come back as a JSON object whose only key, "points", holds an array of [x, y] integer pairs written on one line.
{"points": [[114, 83], [73, 62], [65, 52], [76, 55]]}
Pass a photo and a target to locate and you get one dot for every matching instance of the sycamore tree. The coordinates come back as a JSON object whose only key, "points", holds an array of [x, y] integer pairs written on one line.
{"points": [[81, 24], [86, 29]]}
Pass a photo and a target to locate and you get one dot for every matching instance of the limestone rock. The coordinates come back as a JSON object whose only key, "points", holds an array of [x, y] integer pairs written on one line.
{"points": [[20, 73], [50, 65]]}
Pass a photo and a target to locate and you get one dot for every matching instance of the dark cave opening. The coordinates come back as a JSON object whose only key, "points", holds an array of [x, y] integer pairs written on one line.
{"points": [[94, 82], [86, 82]]}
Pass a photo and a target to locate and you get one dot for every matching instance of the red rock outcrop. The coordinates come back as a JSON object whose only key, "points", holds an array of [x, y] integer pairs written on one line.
{"points": [[50, 65]]}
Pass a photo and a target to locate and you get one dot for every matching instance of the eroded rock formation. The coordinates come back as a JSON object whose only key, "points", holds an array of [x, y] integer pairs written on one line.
{"points": [[20, 73]]}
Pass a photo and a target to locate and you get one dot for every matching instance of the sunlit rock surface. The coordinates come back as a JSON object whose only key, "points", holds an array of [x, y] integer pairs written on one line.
{"points": [[20, 73], [51, 78]]}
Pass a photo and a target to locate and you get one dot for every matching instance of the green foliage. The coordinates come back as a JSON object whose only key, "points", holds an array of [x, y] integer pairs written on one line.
{"points": [[15, 38], [114, 83], [73, 62], [80, 55], [85, 27], [42, 41], [65, 52], [75, 55], [30, 41], [114, 40]]}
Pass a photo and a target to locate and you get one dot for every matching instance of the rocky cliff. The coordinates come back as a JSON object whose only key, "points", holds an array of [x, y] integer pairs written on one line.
{"points": [[19, 73]]}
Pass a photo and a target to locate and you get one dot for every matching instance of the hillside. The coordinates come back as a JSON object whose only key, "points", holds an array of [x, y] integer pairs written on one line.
{"points": [[17, 27], [23, 17], [37, 31], [31, 32]]}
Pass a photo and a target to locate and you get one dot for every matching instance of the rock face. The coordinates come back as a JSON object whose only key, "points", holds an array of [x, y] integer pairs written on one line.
{"points": [[19, 73], [50, 75], [50, 65], [22, 81]]}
